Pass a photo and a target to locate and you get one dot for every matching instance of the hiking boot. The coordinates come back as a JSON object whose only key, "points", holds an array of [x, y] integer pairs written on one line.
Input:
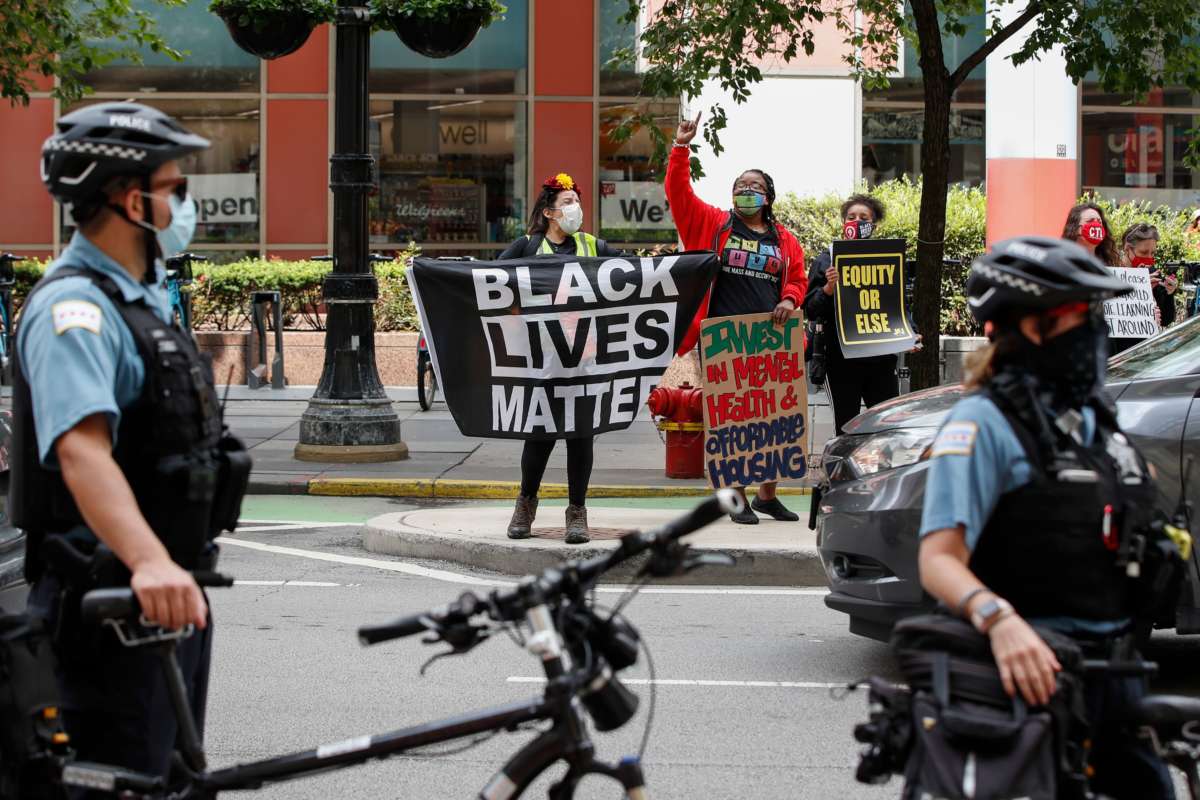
{"points": [[745, 517], [577, 527], [774, 509], [522, 518]]}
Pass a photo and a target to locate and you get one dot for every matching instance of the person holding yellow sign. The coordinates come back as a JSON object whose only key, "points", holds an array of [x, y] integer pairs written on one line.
{"points": [[851, 383]]}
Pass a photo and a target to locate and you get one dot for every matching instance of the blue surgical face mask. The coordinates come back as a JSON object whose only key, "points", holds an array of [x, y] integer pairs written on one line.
{"points": [[174, 239]]}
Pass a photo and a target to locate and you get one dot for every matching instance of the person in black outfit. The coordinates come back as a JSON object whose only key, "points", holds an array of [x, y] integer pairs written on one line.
{"points": [[1138, 244], [851, 382], [554, 229]]}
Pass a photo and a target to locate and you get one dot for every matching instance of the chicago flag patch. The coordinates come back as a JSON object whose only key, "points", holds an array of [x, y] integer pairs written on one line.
{"points": [[76, 314], [955, 439]]}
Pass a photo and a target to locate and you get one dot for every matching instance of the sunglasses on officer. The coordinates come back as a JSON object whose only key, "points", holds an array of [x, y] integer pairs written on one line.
{"points": [[178, 187]]}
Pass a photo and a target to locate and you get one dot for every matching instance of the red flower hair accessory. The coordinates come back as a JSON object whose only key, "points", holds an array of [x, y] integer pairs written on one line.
{"points": [[561, 182]]}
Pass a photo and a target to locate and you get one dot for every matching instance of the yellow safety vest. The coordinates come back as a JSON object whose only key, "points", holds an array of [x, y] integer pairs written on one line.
{"points": [[585, 245]]}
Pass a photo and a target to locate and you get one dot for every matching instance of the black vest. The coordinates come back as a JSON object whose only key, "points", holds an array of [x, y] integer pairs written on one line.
{"points": [[1044, 547], [168, 442]]}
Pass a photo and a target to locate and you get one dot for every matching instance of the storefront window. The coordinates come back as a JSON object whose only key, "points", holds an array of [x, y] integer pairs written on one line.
{"points": [[892, 145], [211, 62], [633, 206], [1139, 156], [450, 173], [617, 80], [495, 63], [224, 178]]}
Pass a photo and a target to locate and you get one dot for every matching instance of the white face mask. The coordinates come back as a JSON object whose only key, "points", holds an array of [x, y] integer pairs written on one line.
{"points": [[571, 219]]}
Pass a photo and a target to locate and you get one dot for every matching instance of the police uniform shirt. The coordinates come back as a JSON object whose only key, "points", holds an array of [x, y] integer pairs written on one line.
{"points": [[75, 351], [975, 458]]}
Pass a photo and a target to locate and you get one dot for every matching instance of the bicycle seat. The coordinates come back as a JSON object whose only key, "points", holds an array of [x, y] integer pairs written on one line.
{"points": [[99, 605], [1167, 709]]}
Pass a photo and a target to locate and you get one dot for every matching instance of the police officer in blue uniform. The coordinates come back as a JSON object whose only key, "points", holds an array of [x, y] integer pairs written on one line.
{"points": [[1033, 492], [118, 436]]}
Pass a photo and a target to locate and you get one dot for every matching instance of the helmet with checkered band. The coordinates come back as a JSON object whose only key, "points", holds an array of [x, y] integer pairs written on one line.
{"points": [[1031, 274], [98, 143]]}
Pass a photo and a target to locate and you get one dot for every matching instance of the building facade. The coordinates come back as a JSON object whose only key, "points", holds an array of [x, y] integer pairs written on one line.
{"points": [[461, 144]]}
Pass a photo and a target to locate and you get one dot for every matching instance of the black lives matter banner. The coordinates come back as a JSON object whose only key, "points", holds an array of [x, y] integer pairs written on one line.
{"points": [[871, 316], [555, 347]]}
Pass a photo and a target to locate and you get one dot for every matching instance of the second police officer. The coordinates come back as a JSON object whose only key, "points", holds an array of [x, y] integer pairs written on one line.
{"points": [[1033, 492], [118, 438]]}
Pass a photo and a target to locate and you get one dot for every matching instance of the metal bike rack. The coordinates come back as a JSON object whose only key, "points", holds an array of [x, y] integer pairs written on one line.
{"points": [[256, 350]]}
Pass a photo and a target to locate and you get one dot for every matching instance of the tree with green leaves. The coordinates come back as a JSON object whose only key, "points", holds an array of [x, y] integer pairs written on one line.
{"points": [[1132, 47], [67, 39]]}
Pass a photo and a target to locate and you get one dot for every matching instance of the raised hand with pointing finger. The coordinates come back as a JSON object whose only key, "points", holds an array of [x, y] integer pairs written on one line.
{"points": [[687, 130]]}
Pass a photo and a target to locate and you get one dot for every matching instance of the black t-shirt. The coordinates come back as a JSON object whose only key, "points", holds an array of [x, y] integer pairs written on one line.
{"points": [[751, 273], [521, 247]]}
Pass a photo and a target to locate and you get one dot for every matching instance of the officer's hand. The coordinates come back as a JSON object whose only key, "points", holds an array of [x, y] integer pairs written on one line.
{"points": [[169, 595], [831, 279], [783, 311], [1026, 662]]}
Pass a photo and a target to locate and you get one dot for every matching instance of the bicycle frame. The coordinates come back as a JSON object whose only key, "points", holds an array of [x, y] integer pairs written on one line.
{"points": [[567, 740]]}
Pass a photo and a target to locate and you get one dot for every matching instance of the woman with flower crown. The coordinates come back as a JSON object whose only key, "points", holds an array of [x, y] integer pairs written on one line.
{"points": [[554, 228]]}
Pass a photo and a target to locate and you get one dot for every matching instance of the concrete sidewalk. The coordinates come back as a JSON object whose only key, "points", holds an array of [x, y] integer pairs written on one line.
{"points": [[444, 463]]}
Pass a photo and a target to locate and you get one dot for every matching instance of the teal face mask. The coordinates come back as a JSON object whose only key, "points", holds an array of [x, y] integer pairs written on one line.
{"points": [[749, 202]]}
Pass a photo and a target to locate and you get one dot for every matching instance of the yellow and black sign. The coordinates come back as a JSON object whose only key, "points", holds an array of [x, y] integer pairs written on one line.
{"points": [[872, 319]]}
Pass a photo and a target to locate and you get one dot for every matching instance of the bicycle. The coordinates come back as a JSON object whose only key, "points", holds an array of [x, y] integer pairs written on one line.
{"points": [[552, 615], [179, 276], [8, 279]]}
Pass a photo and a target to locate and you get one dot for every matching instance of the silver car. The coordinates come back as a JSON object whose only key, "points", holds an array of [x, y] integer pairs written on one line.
{"points": [[869, 500]]}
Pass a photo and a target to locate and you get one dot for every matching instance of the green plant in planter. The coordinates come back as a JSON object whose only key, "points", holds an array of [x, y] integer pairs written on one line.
{"points": [[257, 14], [444, 11], [436, 28]]}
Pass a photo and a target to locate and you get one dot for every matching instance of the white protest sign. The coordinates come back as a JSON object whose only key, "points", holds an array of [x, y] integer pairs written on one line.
{"points": [[1132, 316], [225, 197], [637, 205]]}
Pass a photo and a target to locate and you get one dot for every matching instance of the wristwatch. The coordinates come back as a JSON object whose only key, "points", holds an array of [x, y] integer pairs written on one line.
{"points": [[990, 613]]}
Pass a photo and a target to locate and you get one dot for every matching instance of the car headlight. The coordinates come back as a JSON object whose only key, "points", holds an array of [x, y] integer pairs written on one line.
{"points": [[891, 449]]}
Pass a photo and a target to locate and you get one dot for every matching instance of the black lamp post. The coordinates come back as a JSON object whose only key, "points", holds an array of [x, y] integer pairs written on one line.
{"points": [[349, 417]]}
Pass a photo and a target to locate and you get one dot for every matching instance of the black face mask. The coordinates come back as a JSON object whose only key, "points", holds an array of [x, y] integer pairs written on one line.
{"points": [[1071, 365]]}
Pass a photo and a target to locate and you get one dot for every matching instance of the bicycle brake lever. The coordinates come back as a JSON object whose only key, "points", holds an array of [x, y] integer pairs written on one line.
{"points": [[461, 638]]}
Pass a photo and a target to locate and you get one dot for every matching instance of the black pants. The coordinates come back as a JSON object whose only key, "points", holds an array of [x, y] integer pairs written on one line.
{"points": [[114, 699], [854, 382], [1127, 768], [536, 455]]}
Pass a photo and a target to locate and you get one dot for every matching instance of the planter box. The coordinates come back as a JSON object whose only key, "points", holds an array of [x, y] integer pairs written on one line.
{"points": [[304, 356]]}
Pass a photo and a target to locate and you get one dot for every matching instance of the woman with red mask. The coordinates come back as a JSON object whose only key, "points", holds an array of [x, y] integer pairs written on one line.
{"points": [[1139, 241], [1087, 227], [762, 264]]}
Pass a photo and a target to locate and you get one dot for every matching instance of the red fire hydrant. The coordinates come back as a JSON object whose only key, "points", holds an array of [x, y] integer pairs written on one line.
{"points": [[678, 411]]}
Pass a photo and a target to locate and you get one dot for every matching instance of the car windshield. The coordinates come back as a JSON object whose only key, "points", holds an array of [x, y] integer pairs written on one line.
{"points": [[1175, 352]]}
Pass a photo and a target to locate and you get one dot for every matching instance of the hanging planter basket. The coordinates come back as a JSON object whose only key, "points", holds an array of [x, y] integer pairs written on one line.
{"points": [[272, 34], [437, 38]]}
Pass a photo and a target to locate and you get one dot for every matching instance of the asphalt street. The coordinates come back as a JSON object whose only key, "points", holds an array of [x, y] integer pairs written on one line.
{"points": [[744, 706]]}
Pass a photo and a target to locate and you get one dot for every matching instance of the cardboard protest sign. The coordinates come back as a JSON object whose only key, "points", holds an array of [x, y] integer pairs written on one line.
{"points": [[1132, 316], [755, 400], [554, 347], [871, 316]]}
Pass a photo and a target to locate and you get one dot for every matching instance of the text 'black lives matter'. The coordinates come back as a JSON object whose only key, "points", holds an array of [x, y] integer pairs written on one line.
{"points": [[553, 347]]}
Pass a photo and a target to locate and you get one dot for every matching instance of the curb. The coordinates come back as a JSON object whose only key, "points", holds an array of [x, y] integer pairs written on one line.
{"points": [[794, 568], [454, 489]]}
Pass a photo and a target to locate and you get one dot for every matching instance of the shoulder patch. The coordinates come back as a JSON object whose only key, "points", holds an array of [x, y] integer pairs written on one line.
{"points": [[76, 314], [955, 439]]}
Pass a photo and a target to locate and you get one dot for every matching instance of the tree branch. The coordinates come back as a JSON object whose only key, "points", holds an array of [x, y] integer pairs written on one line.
{"points": [[1000, 37]]}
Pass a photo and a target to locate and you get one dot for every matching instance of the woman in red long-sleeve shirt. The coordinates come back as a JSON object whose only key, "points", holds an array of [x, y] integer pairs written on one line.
{"points": [[762, 264]]}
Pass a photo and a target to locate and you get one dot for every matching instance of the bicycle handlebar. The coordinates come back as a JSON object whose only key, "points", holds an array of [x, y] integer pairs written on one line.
{"points": [[510, 605], [1120, 668]]}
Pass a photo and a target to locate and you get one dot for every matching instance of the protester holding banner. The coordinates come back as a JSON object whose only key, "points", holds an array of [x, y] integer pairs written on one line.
{"points": [[1139, 241], [762, 264], [554, 225], [851, 383], [554, 230]]}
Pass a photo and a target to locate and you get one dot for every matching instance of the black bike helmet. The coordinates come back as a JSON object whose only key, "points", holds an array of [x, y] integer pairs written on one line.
{"points": [[1029, 274], [110, 140]]}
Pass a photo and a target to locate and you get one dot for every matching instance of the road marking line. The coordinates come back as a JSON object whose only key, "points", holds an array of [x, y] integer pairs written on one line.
{"points": [[285, 583], [708, 683], [471, 580]]}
